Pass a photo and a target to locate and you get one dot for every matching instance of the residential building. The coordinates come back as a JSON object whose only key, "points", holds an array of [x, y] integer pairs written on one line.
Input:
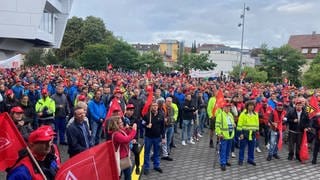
{"points": [[307, 44], [226, 57], [25, 24], [170, 50], [143, 48]]}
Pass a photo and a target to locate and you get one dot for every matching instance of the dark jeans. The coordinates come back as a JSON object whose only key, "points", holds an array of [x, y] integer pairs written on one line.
{"points": [[149, 142], [294, 144], [60, 128], [316, 149], [127, 173], [264, 131]]}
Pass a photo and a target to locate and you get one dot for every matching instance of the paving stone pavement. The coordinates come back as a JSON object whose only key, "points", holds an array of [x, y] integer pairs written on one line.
{"points": [[195, 162]]}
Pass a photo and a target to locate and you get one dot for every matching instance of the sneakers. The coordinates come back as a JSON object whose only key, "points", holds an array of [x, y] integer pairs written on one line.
{"points": [[252, 163], [268, 146], [167, 158], [183, 143], [269, 158], [191, 142], [199, 135], [228, 164], [223, 167], [258, 150], [158, 169], [233, 155], [211, 144], [146, 172], [276, 156], [137, 170]]}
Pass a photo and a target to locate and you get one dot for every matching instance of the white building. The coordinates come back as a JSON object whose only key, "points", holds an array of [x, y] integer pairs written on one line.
{"points": [[31, 23], [226, 57]]}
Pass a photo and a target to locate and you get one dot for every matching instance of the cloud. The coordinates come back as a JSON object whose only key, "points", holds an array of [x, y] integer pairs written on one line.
{"points": [[295, 7]]}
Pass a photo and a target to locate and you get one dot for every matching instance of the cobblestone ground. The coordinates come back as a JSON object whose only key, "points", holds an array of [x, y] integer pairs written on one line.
{"points": [[193, 162]]}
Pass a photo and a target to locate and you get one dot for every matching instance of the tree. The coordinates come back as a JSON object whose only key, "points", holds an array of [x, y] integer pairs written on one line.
{"points": [[311, 78], [152, 60], [252, 74], [50, 57], [35, 57], [95, 56], [282, 62], [196, 62], [123, 55], [93, 30], [72, 44]]}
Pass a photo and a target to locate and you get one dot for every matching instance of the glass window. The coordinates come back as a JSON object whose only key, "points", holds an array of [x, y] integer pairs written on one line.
{"points": [[304, 51], [314, 50]]}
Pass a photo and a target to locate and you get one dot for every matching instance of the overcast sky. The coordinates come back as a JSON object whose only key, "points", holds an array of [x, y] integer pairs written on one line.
{"points": [[206, 21]]}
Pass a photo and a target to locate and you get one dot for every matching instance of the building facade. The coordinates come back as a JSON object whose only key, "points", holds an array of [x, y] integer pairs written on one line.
{"points": [[25, 24], [143, 48], [307, 44], [170, 50], [226, 57]]}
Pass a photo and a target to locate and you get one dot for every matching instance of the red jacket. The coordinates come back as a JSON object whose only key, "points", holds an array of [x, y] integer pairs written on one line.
{"points": [[278, 118], [122, 138], [264, 114]]}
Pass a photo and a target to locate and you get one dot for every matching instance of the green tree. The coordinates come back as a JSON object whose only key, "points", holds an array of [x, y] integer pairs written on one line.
{"points": [[123, 55], [196, 62], [252, 74], [311, 78], [50, 58], [93, 31], [72, 44], [282, 62], [95, 56], [35, 57], [152, 60]]}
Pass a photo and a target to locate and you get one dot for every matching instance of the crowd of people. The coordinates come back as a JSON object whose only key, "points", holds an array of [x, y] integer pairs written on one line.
{"points": [[76, 107]]}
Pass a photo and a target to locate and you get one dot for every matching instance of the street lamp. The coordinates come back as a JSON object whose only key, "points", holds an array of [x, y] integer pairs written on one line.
{"points": [[242, 16]]}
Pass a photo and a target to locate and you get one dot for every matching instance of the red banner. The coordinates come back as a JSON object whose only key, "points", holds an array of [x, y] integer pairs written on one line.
{"points": [[11, 142], [304, 153], [98, 162], [148, 102], [219, 102], [313, 106]]}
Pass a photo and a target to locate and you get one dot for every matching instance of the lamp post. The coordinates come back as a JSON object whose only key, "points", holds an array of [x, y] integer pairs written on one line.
{"points": [[245, 8]]}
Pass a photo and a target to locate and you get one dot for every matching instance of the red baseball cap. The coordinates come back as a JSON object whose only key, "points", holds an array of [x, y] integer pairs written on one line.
{"points": [[44, 91], [279, 104], [264, 100], [41, 134], [130, 106], [82, 97], [16, 109], [9, 92], [48, 129], [117, 90]]}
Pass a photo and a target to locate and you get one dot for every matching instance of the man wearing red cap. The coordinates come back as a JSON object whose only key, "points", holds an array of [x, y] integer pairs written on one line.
{"points": [[9, 100], [40, 143], [264, 111], [45, 108], [276, 120], [298, 120], [16, 114]]}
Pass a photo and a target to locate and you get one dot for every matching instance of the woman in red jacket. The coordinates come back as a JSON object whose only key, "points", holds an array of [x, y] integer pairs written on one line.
{"points": [[121, 137]]}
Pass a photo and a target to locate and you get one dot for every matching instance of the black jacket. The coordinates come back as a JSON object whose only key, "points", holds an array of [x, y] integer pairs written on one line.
{"points": [[138, 105], [187, 110], [157, 128], [298, 126], [76, 139]]}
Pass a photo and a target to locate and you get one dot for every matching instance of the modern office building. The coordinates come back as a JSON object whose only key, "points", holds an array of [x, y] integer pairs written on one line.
{"points": [[25, 24]]}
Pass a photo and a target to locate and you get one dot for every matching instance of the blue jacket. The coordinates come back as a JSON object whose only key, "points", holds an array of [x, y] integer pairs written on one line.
{"points": [[97, 110], [72, 93], [21, 172], [180, 97], [18, 91], [33, 97], [272, 103]]}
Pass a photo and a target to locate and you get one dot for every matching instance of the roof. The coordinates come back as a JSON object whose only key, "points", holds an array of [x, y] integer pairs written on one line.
{"points": [[169, 41], [217, 47], [307, 41]]}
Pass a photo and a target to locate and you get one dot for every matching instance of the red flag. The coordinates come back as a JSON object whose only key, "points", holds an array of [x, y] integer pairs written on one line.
{"points": [[51, 68], [98, 162], [114, 105], [148, 102], [313, 107], [109, 66], [149, 74], [219, 102], [285, 80], [11, 142], [304, 153]]}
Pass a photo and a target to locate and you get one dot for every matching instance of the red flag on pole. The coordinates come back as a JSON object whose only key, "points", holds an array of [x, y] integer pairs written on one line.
{"points": [[280, 135], [114, 105], [148, 102], [109, 66], [304, 153], [11, 142], [149, 74], [219, 102], [313, 107], [98, 162]]}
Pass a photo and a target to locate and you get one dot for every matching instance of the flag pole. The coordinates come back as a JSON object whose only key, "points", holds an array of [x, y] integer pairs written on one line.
{"points": [[36, 162]]}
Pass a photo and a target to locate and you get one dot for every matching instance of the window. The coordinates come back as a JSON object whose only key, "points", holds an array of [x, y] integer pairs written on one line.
{"points": [[304, 51], [222, 52], [47, 21], [314, 50]]}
